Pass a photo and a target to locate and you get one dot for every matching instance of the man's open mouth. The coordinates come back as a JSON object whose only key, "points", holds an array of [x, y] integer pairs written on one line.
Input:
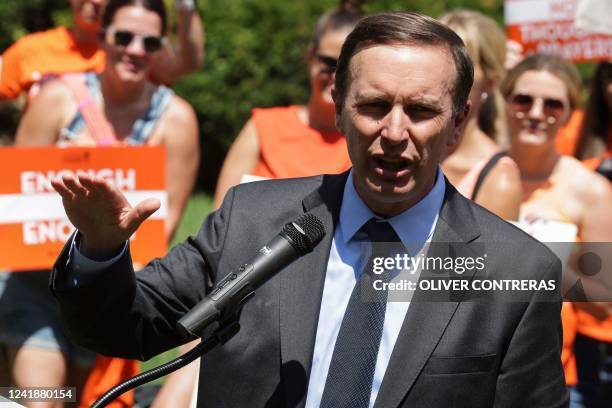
{"points": [[391, 164]]}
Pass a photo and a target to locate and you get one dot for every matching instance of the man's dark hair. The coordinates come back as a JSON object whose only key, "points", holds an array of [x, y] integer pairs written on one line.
{"points": [[412, 29]]}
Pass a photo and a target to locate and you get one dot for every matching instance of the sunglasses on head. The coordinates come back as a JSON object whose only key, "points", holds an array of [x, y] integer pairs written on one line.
{"points": [[524, 102], [123, 38], [330, 63]]}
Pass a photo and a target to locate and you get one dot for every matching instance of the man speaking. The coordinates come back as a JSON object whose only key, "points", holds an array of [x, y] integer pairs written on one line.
{"points": [[308, 338]]}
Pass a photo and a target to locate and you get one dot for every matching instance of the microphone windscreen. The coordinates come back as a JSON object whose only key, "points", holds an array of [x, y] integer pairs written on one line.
{"points": [[305, 232]]}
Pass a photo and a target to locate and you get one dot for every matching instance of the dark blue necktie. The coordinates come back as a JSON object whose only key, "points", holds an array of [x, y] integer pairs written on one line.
{"points": [[349, 379]]}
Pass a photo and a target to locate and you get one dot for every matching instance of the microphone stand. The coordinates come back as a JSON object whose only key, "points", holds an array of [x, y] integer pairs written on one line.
{"points": [[226, 330]]}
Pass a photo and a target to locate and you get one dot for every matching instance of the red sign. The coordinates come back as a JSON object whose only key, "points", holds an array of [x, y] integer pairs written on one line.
{"points": [[548, 26]]}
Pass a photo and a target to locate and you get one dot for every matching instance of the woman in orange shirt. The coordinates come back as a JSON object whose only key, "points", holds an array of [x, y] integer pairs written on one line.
{"points": [[559, 191], [297, 141], [129, 110], [38, 56]]}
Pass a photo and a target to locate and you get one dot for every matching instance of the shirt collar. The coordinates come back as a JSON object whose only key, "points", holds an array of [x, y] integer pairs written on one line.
{"points": [[416, 224]]}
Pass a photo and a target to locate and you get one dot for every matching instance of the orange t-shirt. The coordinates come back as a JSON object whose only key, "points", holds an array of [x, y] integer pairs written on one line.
{"points": [[568, 359], [566, 140], [588, 324], [593, 162], [107, 373], [39, 55], [290, 148]]}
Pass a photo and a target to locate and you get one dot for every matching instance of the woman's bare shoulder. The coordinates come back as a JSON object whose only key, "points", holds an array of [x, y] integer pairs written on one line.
{"points": [[179, 121], [53, 92], [179, 111], [584, 182]]}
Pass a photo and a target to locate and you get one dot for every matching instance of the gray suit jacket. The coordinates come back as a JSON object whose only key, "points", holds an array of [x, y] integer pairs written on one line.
{"points": [[455, 353]]}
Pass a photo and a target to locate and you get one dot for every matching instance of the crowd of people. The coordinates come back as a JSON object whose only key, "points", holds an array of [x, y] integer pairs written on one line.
{"points": [[527, 149]]}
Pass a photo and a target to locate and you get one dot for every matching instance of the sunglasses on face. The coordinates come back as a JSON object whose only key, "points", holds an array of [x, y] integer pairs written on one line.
{"points": [[123, 38], [524, 102], [329, 63]]}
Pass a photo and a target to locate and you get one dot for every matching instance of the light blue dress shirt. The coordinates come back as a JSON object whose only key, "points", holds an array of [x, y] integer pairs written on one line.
{"points": [[415, 225]]}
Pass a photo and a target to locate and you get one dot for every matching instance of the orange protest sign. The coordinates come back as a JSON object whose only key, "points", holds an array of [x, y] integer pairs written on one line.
{"points": [[548, 26], [33, 224]]}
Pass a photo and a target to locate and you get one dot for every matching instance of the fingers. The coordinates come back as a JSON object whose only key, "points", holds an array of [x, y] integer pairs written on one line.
{"points": [[83, 185], [58, 185], [146, 208], [69, 187], [94, 184], [74, 186], [105, 190], [141, 212]]}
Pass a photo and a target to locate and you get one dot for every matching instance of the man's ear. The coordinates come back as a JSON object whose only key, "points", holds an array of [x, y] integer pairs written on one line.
{"points": [[459, 122], [337, 106]]}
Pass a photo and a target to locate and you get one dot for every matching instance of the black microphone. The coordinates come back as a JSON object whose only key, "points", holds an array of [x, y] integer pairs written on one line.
{"points": [[297, 238]]}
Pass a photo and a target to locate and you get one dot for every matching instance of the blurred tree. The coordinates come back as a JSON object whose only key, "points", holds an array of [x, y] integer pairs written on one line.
{"points": [[20, 17]]}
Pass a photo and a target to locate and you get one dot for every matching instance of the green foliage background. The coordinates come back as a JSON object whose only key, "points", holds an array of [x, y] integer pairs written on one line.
{"points": [[255, 56]]}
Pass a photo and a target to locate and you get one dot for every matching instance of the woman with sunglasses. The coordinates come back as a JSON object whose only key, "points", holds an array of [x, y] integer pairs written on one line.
{"points": [[129, 110], [563, 199], [297, 141], [477, 167], [37, 57]]}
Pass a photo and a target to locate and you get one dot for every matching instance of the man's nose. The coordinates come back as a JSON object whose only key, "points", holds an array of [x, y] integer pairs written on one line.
{"points": [[395, 126]]}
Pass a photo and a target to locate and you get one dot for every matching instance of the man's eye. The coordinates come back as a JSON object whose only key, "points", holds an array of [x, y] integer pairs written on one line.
{"points": [[373, 108], [419, 112]]}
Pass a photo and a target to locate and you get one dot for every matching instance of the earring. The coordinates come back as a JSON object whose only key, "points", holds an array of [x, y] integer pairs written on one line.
{"points": [[484, 96]]}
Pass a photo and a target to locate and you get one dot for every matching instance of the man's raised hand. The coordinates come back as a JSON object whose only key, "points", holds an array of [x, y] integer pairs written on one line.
{"points": [[101, 213]]}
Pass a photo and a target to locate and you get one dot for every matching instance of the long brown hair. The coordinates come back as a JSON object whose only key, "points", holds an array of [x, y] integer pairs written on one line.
{"points": [[597, 122], [486, 43]]}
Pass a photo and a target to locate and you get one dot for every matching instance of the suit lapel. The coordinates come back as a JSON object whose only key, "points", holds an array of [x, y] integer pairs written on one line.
{"points": [[427, 317], [301, 289]]}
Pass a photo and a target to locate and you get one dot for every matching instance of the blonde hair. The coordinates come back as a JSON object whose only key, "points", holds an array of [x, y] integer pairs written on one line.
{"points": [[486, 44], [484, 39]]}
